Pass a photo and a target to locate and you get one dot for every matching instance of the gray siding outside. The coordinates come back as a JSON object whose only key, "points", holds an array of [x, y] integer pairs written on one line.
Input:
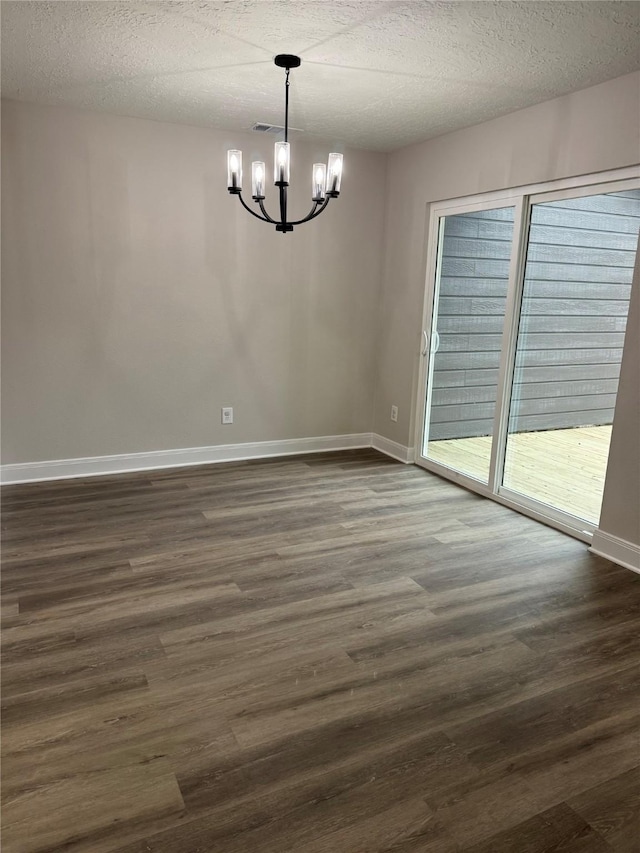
{"points": [[576, 294]]}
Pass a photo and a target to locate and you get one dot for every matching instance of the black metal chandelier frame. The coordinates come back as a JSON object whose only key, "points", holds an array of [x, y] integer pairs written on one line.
{"points": [[326, 184]]}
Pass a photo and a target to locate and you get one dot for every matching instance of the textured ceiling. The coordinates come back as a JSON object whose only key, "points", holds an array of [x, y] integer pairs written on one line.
{"points": [[377, 75]]}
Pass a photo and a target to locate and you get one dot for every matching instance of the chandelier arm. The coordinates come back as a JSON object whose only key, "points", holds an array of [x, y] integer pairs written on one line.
{"points": [[252, 212], [316, 210], [312, 213], [266, 215]]}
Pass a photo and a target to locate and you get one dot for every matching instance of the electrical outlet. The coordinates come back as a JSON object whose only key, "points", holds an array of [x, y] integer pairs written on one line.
{"points": [[227, 414], [394, 413]]}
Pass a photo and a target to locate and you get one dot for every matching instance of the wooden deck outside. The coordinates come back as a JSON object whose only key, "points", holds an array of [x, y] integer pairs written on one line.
{"points": [[564, 468]]}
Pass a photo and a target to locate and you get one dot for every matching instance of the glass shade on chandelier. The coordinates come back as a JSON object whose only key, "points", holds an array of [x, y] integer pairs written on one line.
{"points": [[334, 174], [325, 178], [258, 175], [234, 171], [281, 163], [318, 182]]}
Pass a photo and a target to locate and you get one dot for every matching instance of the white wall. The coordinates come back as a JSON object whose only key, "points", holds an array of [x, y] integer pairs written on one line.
{"points": [[589, 131], [618, 535], [139, 298]]}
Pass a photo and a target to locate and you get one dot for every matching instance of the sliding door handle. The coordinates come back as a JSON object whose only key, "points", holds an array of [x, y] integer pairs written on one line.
{"points": [[425, 343]]}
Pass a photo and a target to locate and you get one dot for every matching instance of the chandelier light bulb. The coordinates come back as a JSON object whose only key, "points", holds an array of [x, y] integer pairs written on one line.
{"points": [[258, 174], [282, 162], [334, 169], [318, 181], [234, 170]]}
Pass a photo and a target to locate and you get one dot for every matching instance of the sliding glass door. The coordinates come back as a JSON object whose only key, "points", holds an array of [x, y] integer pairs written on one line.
{"points": [[524, 328], [466, 336], [577, 283]]}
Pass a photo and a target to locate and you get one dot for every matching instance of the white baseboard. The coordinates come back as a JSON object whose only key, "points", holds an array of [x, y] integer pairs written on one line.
{"points": [[95, 466], [392, 448], [617, 550]]}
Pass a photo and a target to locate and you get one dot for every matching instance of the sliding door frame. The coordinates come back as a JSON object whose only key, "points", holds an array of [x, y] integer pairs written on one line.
{"points": [[522, 200]]}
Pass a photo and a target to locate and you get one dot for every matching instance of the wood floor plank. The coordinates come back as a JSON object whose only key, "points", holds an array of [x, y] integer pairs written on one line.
{"points": [[70, 809], [557, 829], [612, 808], [391, 828], [510, 730], [564, 767], [479, 807], [378, 695], [297, 803], [333, 653]]}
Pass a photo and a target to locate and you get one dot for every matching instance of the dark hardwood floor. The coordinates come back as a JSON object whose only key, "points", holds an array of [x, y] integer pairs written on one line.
{"points": [[323, 654]]}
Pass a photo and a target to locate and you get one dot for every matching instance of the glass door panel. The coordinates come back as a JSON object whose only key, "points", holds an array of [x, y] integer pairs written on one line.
{"points": [[578, 271], [472, 275]]}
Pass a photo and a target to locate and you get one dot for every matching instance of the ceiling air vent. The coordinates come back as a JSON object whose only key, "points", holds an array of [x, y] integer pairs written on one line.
{"points": [[261, 127]]}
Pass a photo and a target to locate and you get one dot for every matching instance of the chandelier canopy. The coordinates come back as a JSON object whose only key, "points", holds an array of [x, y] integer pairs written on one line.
{"points": [[325, 178]]}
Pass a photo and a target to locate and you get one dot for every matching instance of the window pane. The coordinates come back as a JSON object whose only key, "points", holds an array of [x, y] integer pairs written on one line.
{"points": [[466, 338], [577, 284]]}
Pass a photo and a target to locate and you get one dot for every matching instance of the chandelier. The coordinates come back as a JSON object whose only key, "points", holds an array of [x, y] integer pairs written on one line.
{"points": [[325, 178]]}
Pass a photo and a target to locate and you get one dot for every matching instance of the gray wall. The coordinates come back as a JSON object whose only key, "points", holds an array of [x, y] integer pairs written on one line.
{"points": [[576, 295], [139, 298]]}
